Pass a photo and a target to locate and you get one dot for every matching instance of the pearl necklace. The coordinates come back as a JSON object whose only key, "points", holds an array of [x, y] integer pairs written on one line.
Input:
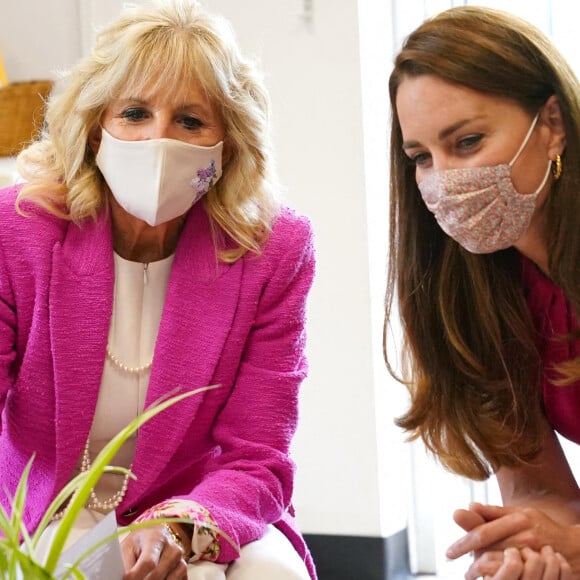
{"points": [[94, 503], [121, 365], [109, 504]]}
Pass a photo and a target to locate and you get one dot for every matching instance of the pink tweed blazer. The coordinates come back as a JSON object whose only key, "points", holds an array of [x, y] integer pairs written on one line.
{"points": [[239, 325]]}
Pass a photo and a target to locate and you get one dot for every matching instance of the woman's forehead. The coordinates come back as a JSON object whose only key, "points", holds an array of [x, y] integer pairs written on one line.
{"points": [[167, 88]]}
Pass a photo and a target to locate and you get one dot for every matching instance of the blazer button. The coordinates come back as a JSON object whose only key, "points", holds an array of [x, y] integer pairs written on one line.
{"points": [[130, 512]]}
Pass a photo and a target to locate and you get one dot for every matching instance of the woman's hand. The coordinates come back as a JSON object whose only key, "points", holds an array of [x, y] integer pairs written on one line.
{"points": [[151, 554], [525, 564], [505, 527]]}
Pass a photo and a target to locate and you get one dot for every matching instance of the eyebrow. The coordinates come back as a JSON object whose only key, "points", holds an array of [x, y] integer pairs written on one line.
{"points": [[124, 100], [444, 133], [185, 106]]}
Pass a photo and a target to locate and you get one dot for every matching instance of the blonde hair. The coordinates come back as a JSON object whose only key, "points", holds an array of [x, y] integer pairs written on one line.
{"points": [[159, 47]]}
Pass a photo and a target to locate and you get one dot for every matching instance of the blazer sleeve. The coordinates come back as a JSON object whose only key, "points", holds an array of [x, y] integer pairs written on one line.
{"points": [[7, 332], [250, 484]]}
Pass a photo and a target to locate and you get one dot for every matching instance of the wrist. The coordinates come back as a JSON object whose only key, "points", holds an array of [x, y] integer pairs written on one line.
{"points": [[178, 537], [571, 548]]}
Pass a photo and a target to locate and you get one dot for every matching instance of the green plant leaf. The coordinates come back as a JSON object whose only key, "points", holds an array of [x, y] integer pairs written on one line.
{"points": [[16, 557], [17, 504], [65, 495], [29, 568], [76, 573], [100, 463], [11, 527]]}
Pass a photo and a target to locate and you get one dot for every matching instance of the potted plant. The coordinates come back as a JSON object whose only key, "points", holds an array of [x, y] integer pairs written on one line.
{"points": [[18, 549]]}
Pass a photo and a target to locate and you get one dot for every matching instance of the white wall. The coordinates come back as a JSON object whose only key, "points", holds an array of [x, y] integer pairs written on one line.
{"points": [[352, 470], [36, 37], [330, 117]]}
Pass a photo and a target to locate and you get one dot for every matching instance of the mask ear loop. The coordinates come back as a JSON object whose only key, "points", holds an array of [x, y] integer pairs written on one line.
{"points": [[526, 139], [519, 151], [545, 180]]}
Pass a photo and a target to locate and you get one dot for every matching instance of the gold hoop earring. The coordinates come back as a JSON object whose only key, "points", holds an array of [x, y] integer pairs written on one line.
{"points": [[557, 168]]}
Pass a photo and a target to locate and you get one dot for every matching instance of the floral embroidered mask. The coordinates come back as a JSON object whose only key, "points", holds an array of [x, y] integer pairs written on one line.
{"points": [[157, 180], [479, 207]]}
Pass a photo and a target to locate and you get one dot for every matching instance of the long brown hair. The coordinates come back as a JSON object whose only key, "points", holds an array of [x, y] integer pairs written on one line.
{"points": [[473, 368]]}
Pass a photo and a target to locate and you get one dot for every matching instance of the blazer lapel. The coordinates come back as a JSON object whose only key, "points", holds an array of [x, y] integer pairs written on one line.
{"points": [[80, 304], [199, 310]]}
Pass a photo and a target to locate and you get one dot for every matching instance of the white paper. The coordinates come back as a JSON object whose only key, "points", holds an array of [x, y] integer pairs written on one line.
{"points": [[105, 561]]}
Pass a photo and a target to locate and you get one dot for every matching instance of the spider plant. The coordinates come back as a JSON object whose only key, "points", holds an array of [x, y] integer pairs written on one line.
{"points": [[18, 557]]}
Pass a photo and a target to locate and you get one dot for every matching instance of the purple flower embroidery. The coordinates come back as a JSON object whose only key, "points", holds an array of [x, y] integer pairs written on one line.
{"points": [[204, 180]]}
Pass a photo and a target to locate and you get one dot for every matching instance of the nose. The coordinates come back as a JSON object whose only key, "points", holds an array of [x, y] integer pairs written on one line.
{"points": [[159, 131], [160, 127], [440, 163]]}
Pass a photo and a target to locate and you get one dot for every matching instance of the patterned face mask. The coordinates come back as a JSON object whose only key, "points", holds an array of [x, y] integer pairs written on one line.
{"points": [[479, 207], [157, 180]]}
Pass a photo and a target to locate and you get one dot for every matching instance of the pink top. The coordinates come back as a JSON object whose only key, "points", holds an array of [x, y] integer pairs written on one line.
{"points": [[554, 318]]}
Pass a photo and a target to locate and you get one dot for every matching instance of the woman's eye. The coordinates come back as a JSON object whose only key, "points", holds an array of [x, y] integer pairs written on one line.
{"points": [[191, 122], [134, 114], [420, 159], [469, 142]]}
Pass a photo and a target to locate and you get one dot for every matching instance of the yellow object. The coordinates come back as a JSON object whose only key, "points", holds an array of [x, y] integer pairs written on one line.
{"points": [[21, 114], [21, 111], [557, 168], [3, 77]]}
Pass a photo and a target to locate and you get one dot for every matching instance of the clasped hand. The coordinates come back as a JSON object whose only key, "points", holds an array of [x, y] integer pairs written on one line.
{"points": [[514, 543], [150, 554]]}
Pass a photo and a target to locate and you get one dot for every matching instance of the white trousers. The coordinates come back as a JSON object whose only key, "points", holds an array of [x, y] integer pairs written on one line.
{"points": [[272, 557]]}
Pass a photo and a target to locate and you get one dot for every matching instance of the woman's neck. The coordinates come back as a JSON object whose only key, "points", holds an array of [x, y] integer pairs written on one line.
{"points": [[137, 241], [533, 243]]}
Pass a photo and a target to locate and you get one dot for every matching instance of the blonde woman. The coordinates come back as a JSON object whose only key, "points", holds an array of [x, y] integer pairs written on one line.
{"points": [[147, 252]]}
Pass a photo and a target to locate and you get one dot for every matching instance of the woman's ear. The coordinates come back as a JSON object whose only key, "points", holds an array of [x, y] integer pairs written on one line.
{"points": [[551, 116], [94, 140], [226, 152]]}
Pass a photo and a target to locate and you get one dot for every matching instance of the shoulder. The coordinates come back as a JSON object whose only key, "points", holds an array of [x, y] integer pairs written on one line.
{"points": [[286, 265], [8, 197], [291, 233], [550, 310], [288, 219], [33, 228], [538, 288], [286, 255]]}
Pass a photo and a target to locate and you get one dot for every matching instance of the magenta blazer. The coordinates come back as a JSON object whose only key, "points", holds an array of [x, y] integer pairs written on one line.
{"points": [[239, 325]]}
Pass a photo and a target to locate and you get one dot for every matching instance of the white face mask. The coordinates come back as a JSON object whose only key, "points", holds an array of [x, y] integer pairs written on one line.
{"points": [[157, 180], [479, 207]]}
